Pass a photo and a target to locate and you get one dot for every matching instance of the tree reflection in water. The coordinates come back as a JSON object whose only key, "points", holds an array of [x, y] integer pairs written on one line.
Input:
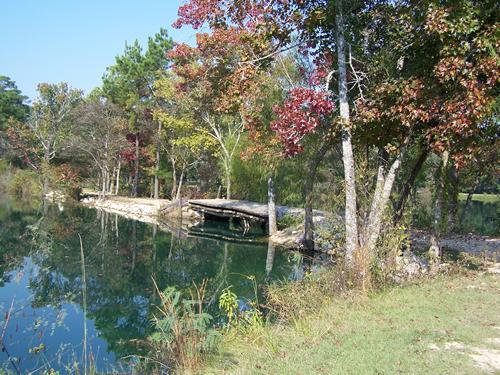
{"points": [[122, 257]]}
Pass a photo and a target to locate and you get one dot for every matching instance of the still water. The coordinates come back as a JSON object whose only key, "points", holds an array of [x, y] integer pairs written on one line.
{"points": [[41, 282]]}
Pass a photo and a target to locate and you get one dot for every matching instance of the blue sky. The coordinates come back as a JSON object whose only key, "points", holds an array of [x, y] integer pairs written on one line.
{"points": [[75, 40]]}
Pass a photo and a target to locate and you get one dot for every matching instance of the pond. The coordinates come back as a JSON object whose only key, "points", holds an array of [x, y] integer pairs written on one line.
{"points": [[480, 217], [41, 283]]}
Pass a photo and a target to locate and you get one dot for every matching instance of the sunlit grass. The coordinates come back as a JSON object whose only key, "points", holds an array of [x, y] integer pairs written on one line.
{"points": [[485, 198], [389, 332]]}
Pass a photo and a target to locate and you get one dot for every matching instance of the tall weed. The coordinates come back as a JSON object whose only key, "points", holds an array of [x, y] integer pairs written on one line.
{"points": [[183, 330]]}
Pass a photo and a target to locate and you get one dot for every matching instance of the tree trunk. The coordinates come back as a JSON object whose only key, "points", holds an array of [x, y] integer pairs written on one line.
{"points": [[271, 206], [379, 205], [228, 179], [136, 167], [46, 185], [351, 220], [173, 192], [270, 257], [103, 183], [179, 188], [379, 186], [111, 181], [117, 184], [410, 183], [157, 168], [435, 248], [106, 188], [308, 239], [45, 172], [452, 199]]}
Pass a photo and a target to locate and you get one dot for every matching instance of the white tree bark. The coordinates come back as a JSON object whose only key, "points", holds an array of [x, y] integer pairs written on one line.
{"points": [[271, 206], [379, 203], [179, 187], [224, 134], [351, 220], [157, 167], [117, 184]]}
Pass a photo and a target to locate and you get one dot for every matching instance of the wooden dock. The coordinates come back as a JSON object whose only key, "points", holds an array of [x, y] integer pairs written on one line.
{"points": [[229, 208]]}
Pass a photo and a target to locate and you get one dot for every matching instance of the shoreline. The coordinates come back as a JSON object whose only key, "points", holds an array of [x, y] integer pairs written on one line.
{"points": [[165, 213]]}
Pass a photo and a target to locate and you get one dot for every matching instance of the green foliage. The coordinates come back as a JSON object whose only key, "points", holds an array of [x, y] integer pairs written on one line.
{"points": [[182, 329], [247, 318], [24, 184], [290, 221], [391, 330], [228, 302], [11, 102]]}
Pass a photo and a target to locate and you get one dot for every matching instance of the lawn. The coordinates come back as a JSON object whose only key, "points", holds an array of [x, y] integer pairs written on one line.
{"points": [[485, 198], [401, 330]]}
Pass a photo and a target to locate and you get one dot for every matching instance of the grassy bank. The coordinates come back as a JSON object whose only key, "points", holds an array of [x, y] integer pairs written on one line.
{"points": [[485, 198], [401, 330]]}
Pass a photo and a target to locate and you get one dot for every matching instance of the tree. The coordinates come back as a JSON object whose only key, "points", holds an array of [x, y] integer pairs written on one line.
{"points": [[217, 87], [48, 127], [12, 106], [386, 42], [181, 138], [130, 84], [99, 135], [443, 89]]}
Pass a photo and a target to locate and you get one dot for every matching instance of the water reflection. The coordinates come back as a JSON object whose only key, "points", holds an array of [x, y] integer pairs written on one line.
{"points": [[41, 275]]}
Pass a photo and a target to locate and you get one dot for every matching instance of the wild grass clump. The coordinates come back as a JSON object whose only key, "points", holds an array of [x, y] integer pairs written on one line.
{"points": [[242, 320], [288, 301], [183, 331], [290, 221], [366, 274]]}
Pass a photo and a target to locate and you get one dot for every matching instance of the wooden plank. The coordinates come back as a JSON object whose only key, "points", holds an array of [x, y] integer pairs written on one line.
{"points": [[237, 208]]}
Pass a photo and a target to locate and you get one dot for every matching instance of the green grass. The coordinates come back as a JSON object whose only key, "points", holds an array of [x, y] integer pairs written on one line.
{"points": [[387, 333], [485, 198]]}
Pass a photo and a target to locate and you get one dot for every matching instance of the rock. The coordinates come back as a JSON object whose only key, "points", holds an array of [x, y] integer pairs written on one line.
{"points": [[410, 266], [55, 196]]}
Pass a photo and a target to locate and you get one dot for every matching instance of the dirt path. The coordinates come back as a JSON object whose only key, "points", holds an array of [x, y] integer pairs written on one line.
{"points": [[469, 243]]}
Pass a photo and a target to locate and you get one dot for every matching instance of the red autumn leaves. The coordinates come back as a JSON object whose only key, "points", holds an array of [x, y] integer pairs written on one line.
{"points": [[301, 114]]}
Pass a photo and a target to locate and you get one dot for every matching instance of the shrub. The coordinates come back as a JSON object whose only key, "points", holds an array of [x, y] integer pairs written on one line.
{"points": [[290, 221], [24, 184], [243, 319], [183, 330]]}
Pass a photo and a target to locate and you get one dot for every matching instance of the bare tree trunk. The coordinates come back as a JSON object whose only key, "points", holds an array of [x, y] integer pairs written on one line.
{"points": [[106, 188], [173, 192], [136, 167], [308, 239], [181, 179], [103, 182], [379, 187], [228, 171], [45, 172], [111, 181], [410, 183], [117, 184], [46, 185], [452, 199], [380, 203], [351, 220], [435, 248], [271, 205], [157, 168], [270, 257]]}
